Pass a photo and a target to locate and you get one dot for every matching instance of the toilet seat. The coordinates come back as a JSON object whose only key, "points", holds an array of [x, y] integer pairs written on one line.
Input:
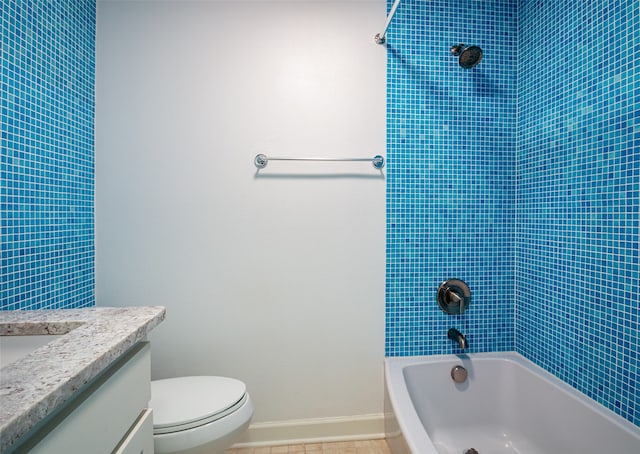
{"points": [[187, 402]]}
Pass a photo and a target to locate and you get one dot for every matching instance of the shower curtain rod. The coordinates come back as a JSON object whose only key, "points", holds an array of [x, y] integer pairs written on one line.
{"points": [[381, 37]]}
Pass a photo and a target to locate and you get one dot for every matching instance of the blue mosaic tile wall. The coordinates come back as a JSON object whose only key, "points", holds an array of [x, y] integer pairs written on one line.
{"points": [[578, 196], [451, 137], [46, 167], [540, 215]]}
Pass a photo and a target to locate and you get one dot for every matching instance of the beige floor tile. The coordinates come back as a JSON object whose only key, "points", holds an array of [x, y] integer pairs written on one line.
{"points": [[313, 448], [380, 447], [341, 447]]}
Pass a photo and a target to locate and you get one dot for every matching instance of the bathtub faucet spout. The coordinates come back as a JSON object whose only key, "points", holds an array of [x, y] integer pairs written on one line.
{"points": [[458, 337]]}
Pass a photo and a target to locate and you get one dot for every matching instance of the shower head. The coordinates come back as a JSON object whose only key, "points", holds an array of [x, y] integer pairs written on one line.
{"points": [[468, 56]]}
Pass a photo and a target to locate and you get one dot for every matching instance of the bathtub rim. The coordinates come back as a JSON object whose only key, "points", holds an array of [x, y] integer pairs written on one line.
{"points": [[410, 423]]}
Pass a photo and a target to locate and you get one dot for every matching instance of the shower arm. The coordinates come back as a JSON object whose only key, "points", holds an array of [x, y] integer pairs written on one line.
{"points": [[380, 38]]}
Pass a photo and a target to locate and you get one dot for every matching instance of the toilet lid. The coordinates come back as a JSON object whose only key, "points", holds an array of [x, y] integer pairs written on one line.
{"points": [[187, 400]]}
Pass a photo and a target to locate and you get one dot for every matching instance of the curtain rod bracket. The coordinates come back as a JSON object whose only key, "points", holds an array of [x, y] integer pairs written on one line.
{"points": [[380, 38]]}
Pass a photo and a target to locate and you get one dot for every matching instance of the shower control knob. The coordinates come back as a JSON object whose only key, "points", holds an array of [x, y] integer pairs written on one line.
{"points": [[453, 296]]}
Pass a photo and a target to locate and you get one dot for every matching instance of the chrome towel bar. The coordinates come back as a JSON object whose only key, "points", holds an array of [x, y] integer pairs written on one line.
{"points": [[262, 160]]}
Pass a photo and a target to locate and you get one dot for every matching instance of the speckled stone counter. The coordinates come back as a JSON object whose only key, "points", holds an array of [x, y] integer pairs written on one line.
{"points": [[33, 387]]}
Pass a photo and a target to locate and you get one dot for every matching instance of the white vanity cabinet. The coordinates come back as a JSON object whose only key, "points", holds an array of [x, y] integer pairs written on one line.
{"points": [[109, 415]]}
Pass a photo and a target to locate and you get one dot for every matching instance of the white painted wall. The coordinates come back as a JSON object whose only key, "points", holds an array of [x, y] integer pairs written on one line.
{"points": [[276, 278]]}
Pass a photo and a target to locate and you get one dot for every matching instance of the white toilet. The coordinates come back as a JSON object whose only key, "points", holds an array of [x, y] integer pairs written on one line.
{"points": [[198, 415]]}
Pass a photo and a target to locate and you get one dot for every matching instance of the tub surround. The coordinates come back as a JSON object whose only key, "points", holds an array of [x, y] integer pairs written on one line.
{"points": [[32, 388], [450, 196], [537, 206]]}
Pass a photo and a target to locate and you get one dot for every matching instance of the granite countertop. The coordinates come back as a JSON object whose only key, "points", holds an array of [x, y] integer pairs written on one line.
{"points": [[34, 386]]}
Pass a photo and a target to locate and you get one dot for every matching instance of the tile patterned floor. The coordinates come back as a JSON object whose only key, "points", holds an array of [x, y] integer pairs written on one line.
{"points": [[343, 447]]}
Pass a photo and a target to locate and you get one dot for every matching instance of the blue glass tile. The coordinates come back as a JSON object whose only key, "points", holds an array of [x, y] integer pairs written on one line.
{"points": [[47, 163], [521, 177], [577, 281], [451, 137]]}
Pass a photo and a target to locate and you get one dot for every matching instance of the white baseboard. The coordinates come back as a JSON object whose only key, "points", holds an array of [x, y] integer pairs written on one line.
{"points": [[316, 430]]}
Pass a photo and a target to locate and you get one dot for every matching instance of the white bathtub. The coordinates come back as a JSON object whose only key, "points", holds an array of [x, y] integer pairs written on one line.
{"points": [[507, 405]]}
